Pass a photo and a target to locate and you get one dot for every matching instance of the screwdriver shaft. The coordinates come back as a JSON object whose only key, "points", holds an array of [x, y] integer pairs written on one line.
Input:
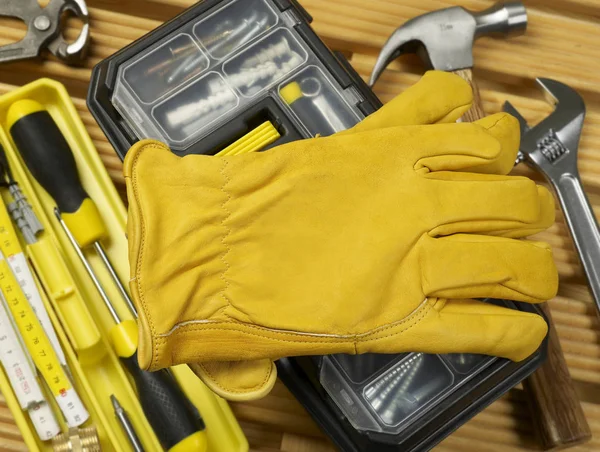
{"points": [[88, 268], [100, 250], [123, 418]]}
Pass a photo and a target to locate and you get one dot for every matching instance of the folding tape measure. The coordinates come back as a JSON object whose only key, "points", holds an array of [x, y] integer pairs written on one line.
{"points": [[43, 352], [23, 379], [11, 248]]}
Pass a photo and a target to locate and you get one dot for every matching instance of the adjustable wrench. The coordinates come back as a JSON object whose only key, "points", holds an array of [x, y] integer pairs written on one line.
{"points": [[551, 148]]}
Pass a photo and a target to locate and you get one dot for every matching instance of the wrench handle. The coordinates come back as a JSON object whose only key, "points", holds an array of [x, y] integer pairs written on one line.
{"points": [[583, 227], [558, 418], [476, 111]]}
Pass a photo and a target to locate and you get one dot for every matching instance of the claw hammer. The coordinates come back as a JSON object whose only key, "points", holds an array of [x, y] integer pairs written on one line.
{"points": [[444, 40]]}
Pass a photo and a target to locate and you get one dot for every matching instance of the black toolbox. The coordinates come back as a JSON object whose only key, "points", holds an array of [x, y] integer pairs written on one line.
{"points": [[214, 73]]}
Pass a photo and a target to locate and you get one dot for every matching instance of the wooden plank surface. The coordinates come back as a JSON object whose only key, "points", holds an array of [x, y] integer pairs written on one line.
{"points": [[562, 42]]}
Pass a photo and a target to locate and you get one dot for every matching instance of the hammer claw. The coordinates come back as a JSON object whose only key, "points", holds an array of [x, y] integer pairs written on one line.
{"points": [[444, 38]]}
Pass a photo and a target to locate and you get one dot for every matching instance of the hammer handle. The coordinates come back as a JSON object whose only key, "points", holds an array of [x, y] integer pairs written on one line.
{"points": [[558, 418], [476, 112]]}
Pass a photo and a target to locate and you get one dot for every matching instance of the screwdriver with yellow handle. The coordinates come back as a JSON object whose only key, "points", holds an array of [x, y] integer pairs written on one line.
{"points": [[175, 421]]}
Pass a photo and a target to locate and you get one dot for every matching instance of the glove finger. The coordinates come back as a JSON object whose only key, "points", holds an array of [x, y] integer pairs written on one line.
{"points": [[546, 219], [464, 326], [488, 204], [471, 326], [438, 97], [238, 381], [489, 145], [478, 266]]}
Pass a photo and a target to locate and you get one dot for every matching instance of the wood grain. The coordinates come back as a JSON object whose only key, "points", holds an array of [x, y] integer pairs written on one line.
{"points": [[558, 419], [561, 43]]}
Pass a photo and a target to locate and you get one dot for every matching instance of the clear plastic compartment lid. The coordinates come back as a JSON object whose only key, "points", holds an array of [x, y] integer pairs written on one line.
{"points": [[386, 393], [201, 76]]}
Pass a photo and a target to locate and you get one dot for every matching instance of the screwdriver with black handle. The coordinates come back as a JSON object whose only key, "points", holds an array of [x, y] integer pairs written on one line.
{"points": [[175, 421]]}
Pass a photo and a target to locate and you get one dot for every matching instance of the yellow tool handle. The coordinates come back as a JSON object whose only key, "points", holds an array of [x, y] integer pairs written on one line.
{"points": [[253, 141], [50, 160]]}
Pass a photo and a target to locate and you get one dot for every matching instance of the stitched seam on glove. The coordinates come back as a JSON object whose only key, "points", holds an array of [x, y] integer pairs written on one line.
{"points": [[227, 234], [411, 320], [237, 391], [141, 256]]}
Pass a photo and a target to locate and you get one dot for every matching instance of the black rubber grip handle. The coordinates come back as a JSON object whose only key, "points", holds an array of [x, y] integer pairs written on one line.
{"points": [[49, 159], [171, 415]]}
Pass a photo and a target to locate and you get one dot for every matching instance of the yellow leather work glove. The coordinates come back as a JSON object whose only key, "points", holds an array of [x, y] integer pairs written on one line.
{"points": [[366, 241], [437, 98]]}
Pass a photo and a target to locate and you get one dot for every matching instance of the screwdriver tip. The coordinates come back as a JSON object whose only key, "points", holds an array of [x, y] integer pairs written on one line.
{"points": [[115, 403]]}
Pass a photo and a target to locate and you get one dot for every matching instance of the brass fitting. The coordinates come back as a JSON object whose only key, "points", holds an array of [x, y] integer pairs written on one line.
{"points": [[77, 440]]}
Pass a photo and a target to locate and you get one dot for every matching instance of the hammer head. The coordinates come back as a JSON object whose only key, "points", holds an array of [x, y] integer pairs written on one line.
{"points": [[444, 39]]}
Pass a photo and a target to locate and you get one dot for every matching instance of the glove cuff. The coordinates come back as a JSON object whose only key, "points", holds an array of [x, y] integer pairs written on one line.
{"points": [[165, 213]]}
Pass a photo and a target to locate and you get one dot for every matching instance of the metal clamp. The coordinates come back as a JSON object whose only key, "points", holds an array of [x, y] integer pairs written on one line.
{"points": [[43, 30]]}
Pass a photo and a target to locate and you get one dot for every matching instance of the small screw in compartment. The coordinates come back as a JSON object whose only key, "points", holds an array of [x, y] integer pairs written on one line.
{"points": [[234, 26], [165, 68]]}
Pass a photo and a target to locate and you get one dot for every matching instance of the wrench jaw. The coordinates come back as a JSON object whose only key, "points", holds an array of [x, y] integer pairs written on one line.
{"points": [[568, 117], [551, 146]]}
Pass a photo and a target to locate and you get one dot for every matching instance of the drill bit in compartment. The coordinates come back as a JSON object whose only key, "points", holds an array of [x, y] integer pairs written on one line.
{"points": [[166, 67], [234, 26]]}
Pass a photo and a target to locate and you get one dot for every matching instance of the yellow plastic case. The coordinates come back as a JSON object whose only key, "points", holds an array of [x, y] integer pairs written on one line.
{"points": [[96, 368]]}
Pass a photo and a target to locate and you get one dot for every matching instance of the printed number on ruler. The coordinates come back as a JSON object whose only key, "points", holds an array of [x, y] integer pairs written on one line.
{"points": [[39, 346], [23, 378], [11, 248], [19, 369]]}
